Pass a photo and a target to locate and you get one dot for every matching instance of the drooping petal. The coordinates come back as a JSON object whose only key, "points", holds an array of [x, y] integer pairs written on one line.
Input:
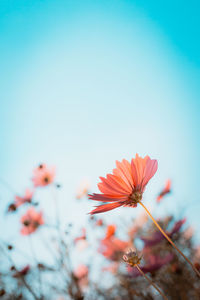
{"points": [[105, 207], [107, 198]]}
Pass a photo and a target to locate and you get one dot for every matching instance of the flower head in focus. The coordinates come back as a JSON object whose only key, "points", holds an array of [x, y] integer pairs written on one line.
{"points": [[31, 221], [126, 185], [43, 175], [27, 198], [165, 191]]}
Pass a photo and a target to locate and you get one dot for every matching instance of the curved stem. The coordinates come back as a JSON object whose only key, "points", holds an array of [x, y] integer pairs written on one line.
{"points": [[151, 282], [169, 240], [38, 270]]}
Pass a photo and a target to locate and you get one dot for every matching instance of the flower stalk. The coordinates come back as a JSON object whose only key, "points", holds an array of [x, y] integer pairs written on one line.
{"points": [[151, 282], [133, 260], [168, 238]]}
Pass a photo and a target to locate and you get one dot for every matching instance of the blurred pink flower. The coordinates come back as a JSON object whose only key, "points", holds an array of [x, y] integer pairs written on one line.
{"points": [[188, 233], [81, 237], [112, 268], [99, 222], [157, 236], [31, 221], [81, 273], [43, 175], [126, 185], [110, 231], [112, 248], [81, 245], [83, 189], [26, 198], [165, 191]]}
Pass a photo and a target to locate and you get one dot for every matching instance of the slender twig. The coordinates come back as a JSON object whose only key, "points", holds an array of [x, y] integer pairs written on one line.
{"points": [[151, 282], [56, 208], [22, 277], [35, 258], [29, 288], [169, 240]]}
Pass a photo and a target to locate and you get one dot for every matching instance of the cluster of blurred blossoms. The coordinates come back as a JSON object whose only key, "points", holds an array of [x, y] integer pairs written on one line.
{"points": [[126, 259]]}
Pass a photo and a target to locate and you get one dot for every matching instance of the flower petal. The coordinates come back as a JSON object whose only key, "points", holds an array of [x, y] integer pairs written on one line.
{"points": [[105, 207]]}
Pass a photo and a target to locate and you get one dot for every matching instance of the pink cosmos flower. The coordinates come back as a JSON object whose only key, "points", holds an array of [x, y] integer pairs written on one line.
{"points": [[43, 175], [81, 271], [111, 247], [110, 231], [165, 191], [27, 198], [126, 185], [31, 221]]}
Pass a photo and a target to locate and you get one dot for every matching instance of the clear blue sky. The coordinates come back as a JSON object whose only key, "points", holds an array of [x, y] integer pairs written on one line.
{"points": [[83, 83]]}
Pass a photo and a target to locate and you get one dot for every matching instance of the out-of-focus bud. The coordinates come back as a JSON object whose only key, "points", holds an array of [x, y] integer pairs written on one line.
{"points": [[132, 258], [2, 292], [10, 247]]}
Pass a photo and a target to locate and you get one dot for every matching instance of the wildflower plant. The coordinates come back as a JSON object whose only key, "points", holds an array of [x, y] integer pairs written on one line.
{"points": [[125, 187], [99, 260]]}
